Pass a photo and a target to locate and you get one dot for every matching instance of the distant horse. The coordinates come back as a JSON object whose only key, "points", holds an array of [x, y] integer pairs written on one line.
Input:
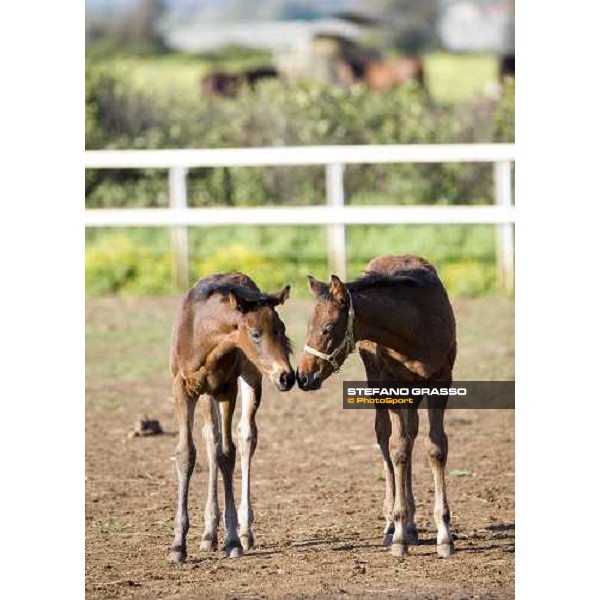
{"points": [[220, 84], [400, 315], [226, 332], [229, 84], [507, 66], [384, 75], [253, 76]]}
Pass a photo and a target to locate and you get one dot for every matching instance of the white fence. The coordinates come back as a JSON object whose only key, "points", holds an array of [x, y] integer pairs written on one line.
{"points": [[334, 214]]}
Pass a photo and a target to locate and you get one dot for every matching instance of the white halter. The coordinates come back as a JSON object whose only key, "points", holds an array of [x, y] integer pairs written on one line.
{"points": [[347, 343]]}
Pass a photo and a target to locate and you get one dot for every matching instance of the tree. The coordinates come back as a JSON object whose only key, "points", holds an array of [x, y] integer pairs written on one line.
{"points": [[411, 24], [139, 29]]}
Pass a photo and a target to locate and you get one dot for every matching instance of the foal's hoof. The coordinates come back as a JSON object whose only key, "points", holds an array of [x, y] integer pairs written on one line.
{"points": [[233, 549], [388, 534], [247, 540], [412, 535], [399, 550], [208, 543], [177, 556], [445, 549]]}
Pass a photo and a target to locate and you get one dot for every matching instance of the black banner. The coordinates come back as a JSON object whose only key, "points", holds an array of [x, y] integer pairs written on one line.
{"points": [[458, 394]]}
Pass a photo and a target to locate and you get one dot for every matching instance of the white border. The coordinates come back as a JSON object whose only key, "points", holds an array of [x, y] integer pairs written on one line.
{"points": [[42, 316], [557, 300]]}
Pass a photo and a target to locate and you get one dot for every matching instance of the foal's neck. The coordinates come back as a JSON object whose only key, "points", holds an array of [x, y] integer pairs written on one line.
{"points": [[381, 318]]}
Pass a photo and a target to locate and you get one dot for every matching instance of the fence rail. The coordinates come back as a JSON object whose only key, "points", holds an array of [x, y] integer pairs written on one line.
{"points": [[298, 156], [335, 214], [299, 215]]}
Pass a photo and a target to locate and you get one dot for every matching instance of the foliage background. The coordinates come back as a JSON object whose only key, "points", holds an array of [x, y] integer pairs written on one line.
{"points": [[155, 102]]}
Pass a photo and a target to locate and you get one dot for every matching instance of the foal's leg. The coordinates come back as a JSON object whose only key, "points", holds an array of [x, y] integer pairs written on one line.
{"points": [[382, 430], [226, 460], [212, 439], [251, 388], [438, 454], [412, 427], [185, 454], [400, 450]]}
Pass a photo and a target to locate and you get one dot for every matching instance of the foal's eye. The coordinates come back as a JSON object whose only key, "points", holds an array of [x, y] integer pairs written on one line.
{"points": [[255, 334], [327, 329]]}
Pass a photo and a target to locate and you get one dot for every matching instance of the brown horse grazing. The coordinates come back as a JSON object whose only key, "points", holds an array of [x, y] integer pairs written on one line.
{"points": [[400, 315], [226, 331], [230, 84], [384, 75]]}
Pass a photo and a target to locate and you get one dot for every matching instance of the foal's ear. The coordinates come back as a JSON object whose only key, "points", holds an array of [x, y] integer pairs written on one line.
{"points": [[281, 296], [238, 303], [337, 289], [315, 287]]}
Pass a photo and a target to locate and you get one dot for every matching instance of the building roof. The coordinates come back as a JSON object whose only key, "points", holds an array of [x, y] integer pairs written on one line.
{"points": [[198, 36], [484, 25]]}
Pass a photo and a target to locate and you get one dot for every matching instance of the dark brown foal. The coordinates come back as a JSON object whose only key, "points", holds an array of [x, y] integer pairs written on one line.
{"points": [[226, 334], [401, 319]]}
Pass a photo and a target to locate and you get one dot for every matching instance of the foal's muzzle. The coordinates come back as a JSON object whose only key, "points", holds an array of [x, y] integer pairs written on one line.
{"points": [[284, 380], [308, 381]]}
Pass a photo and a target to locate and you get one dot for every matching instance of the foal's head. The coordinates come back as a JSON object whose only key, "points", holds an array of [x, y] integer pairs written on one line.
{"points": [[261, 335], [329, 339]]}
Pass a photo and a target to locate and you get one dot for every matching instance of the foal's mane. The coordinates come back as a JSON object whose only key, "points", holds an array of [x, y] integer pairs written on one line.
{"points": [[418, 278], [246, 290], [412, 277]]}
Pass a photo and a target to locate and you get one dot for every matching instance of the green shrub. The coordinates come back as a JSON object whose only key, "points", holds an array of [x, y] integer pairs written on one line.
{"points": [[109, 264], [468, 278], [235, 257], [139, 262], [115, 264], [122, 115]]}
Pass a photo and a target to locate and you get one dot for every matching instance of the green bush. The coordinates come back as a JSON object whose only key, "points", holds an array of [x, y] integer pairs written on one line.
{"points": [[121, 115], [115, 264], [138, 262], [235, 257], [467, 278]]}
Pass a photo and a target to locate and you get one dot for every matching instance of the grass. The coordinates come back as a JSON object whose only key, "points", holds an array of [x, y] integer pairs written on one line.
{"points": [[455, 78], [127, 343]]}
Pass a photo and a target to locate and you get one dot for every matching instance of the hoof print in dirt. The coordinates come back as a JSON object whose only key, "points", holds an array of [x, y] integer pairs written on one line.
{"points": [[145, 427]]}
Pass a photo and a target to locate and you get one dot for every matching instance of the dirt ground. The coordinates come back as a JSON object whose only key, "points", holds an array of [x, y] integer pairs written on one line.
{"points": [[317, 478]]}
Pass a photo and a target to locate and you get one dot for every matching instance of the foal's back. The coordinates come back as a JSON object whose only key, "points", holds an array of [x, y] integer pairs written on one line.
{"points": [[391, 264], [436, 328]]}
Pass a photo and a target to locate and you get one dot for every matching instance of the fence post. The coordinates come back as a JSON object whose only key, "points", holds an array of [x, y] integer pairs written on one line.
{"points": [[505, 236], [179, 235], [336, 234]]}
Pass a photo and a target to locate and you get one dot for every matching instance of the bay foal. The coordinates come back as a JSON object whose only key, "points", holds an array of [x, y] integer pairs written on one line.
{"points": [[226, 333], [400, 315]]}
